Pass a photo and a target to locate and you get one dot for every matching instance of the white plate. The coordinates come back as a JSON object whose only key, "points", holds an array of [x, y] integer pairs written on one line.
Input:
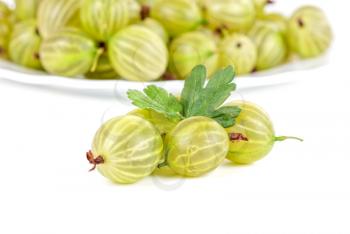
{"points": [[10, 71]]}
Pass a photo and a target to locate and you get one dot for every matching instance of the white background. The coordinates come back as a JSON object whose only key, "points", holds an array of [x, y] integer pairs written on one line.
{"points": [[299, 188]]}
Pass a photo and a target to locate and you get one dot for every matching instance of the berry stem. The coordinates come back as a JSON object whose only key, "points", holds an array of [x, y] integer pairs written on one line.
{"points": [[301, 22], [145, 12], [283, 138], [95, 161], [222, 31], [99, 53]]}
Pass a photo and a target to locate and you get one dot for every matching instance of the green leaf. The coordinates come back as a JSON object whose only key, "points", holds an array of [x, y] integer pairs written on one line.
{"points": [[225, 121], [198, 100], [233, 111], [157, 99], [226, 115], [192, 89]]}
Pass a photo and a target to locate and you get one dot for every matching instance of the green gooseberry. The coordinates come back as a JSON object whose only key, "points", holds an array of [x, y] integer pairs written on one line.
{"points": [[253, 135], [196, 146]]}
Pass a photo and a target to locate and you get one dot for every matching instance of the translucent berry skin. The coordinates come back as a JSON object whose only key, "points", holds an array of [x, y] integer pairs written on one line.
{"points": [[233, 15], [134, 8], [309, 32], [177, 16], [25, 44], [103, 71], [103, 18], [271, 44], [26, 9], [191, 49], [69, 52], [156, 27], [196, 146], [53, 15], [138, 54], [131, 148], [255, 124], [240, 52], [5, 33], [163, 124]]}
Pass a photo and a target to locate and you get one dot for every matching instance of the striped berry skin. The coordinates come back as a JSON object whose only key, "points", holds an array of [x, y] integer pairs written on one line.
{"points": [[53, 15], [103, 18], [196, 146], [134, 9], [138, 54], [26, 9], [255, 125], [238, 51], [177, 16], [271, 45], [233, 15], [25, 44], [127, 149], [309, 32], [191, 49], [156, 27], [69, 52]]}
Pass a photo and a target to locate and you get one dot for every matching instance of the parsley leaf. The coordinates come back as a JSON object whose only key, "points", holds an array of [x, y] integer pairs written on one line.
{"points": [[198, 100], [192, 89], [157, 99], [226, 116]]}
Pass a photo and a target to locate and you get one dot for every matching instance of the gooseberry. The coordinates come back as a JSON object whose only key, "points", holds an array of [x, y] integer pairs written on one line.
{"points": [[253, 135], [69, 52], [191, 49], [233, 15], [126, 149], [196, 146], [138, 54], [271, 45], [309, 32], [239, 51], [177, 16], [25, 44], [53, 15], [103, 18]]}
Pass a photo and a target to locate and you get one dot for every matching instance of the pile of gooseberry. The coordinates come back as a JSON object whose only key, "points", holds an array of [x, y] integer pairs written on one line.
{"points": [[140, 40], [189, 136]]}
